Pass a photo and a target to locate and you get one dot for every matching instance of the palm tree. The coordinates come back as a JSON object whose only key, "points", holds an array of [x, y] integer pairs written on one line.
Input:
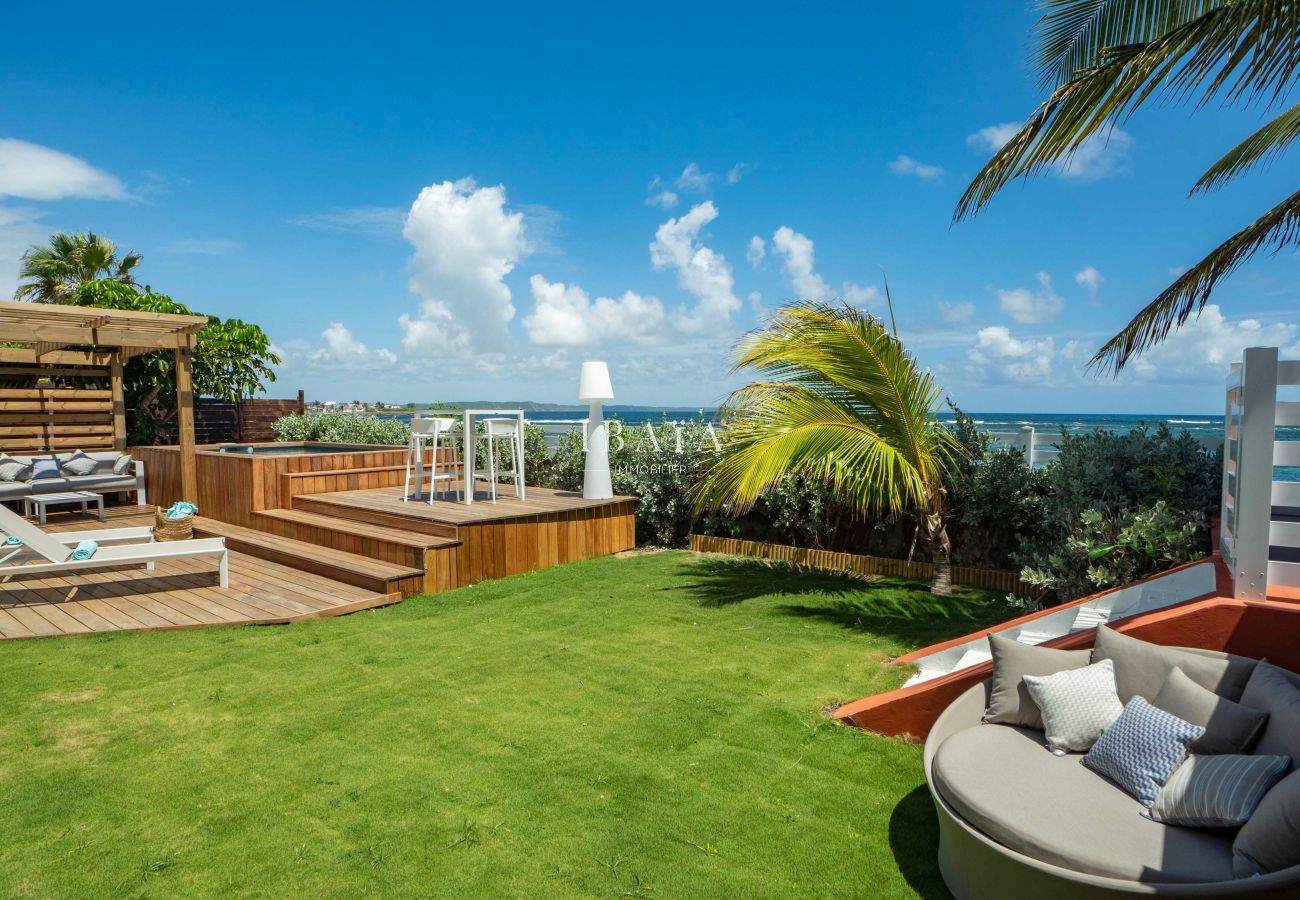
{"points": [[844, 402], [1103, 59], [53, 274]]}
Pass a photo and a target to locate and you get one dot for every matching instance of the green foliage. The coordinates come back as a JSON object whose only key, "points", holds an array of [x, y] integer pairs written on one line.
{"points": [[56, 272], [341, 428], [232, 359], [1104, 551]]}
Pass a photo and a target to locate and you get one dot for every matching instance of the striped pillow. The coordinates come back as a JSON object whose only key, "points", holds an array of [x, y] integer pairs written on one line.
{"points": [[1218, 791]]}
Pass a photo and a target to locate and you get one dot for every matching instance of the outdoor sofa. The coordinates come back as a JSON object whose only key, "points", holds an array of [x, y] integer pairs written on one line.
{"points": [[1017, 821], [101, 480]]}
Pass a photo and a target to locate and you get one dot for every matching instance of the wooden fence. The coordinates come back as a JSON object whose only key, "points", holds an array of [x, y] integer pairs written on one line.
{"points": [[246, 422], [863, 565], [39, 413]]}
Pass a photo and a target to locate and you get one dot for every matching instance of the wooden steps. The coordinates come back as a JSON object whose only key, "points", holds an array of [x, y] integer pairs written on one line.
{"points": [[381, 576], [331, 505], [396, 545]]}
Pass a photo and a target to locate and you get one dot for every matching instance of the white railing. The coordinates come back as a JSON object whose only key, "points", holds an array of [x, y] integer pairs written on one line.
{"points": [[1259, 519]]}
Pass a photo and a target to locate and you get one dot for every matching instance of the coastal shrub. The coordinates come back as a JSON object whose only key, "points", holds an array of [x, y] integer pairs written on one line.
{"points": [[341, 428], [1107, 550]]}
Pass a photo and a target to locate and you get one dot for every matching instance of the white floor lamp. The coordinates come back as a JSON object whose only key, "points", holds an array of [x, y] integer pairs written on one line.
{"points": [[594, 389]]}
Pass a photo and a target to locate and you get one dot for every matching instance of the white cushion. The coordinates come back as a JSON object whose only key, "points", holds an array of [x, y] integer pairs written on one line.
{"points": [[14, 469], [78, 464], [1077, 705]]}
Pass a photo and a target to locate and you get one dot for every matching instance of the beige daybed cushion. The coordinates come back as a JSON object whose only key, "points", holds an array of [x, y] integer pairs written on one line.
{"points": [[1003, 781]]}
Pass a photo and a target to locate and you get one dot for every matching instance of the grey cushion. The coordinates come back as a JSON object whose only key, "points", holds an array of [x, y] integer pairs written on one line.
{"points": [[1142, 749], [122, 465], [1052, 809], [83, 483], [77, 464], [1270, 841], [1009, 699], [1077, 705], [12, 469], [12, 489], [1217, 791], [1273, 692], [1142, 667], [1229, 727]]}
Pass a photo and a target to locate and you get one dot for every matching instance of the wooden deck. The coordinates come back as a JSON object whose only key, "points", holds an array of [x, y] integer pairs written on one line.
{"points": [[537, 501], [179, 594]]}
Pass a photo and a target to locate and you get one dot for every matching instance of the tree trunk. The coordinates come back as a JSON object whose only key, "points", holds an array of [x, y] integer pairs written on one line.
{"points": [[940, 549]]}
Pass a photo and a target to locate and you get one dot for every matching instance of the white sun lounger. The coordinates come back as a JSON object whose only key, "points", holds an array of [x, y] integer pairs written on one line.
{"points": [[117, 547]]}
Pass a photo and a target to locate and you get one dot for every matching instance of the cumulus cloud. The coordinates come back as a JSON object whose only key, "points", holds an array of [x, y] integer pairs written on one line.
{"points": [[1031, 307], [32, 172], [756, 251], [701, 271], [999, 357], [1201, 351], [737, 172], [662, 199], [905, 165], [465, 242], [956, 311], [1102, 154], [565, 314], [798, 260], [345, 351], [1089, 277], [694, 179]]}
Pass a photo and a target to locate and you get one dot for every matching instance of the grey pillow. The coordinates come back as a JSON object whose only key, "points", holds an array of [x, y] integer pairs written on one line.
{"points": [[1229, 727], [1142, 667], [1077, 705], [78, 464], [1217, 791], [1270, 841], [1009, 699], [1273, 692], [13, 469], [122, 465]]}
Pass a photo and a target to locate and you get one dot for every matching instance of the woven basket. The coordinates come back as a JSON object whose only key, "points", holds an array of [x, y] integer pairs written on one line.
{"points": [[165, 529]]}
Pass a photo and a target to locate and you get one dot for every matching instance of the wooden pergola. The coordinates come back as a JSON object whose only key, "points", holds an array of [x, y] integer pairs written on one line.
{"points": [[56, 336]]}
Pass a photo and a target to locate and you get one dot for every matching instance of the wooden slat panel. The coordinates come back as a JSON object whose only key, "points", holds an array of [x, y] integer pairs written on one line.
{"points": [[7, 394]]}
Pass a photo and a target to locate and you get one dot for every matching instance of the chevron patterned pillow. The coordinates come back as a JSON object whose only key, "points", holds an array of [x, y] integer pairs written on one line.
{"points": [[1142, 749], [1077, 705]]}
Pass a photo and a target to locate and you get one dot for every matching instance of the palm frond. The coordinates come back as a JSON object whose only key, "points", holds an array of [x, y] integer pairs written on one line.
{"points": [[1263, 146], [1278, 228], [1243, 51]]}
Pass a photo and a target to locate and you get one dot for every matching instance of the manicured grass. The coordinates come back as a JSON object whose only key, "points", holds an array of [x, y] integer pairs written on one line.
{"points": [[647, 725]]}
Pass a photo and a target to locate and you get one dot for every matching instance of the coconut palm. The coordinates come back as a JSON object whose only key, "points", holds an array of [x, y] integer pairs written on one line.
{"points": [[1103, 59], [53, 274], [845, 402]]}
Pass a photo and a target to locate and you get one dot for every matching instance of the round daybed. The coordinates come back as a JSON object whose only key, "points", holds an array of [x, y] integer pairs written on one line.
{"points": [[1016, 821]]}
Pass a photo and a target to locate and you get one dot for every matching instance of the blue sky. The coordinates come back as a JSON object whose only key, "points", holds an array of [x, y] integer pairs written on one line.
{"points": [[427, 204]]}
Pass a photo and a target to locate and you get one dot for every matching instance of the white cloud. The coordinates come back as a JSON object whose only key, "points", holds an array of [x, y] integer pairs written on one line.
{"points": [[662, 199], [384, 221], [998, 357], [700, 271], [905, 165], [202, 246], [1201, 351], [32, 172], [1032, 307], [565, 314], [343, 350], [956, 311], [737, 172], [466, 241], [693, 179], [756, 304], [1090, 278], [1100, 155], [798, 261], [756, 251]]}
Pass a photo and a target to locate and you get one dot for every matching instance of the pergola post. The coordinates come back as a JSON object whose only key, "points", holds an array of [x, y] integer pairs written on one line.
{"points": [[119, 402], [185, 422]]}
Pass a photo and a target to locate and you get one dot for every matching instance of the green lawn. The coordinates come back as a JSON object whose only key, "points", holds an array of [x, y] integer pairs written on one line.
{"points": [[638, 726]]}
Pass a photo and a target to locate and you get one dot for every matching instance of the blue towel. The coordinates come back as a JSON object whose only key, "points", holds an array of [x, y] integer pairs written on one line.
{"points": [[85, 550], [12, 541], [180, 509]]}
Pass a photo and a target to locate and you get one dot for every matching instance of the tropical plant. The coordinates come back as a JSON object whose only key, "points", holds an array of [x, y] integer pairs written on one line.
{"points": [[1104, 59], [55, 273], [341, 428], [232, 360], [844, 403]]}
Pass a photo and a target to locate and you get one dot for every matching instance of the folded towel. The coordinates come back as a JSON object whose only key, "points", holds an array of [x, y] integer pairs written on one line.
{"points": [[85, 550], [180, 509], [12, 541]]}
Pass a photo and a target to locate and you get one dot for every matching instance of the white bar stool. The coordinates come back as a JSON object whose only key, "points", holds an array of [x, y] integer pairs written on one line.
{"points": [[444, 437], [421, 430], [495, 431]]}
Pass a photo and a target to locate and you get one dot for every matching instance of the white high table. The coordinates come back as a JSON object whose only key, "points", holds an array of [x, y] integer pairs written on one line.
{"points": [[469, 443]]}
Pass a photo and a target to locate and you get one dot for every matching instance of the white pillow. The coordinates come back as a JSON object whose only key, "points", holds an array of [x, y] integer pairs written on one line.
{"points": [[78, 464], [122, 465], [1077, 705], [14, 469]]}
